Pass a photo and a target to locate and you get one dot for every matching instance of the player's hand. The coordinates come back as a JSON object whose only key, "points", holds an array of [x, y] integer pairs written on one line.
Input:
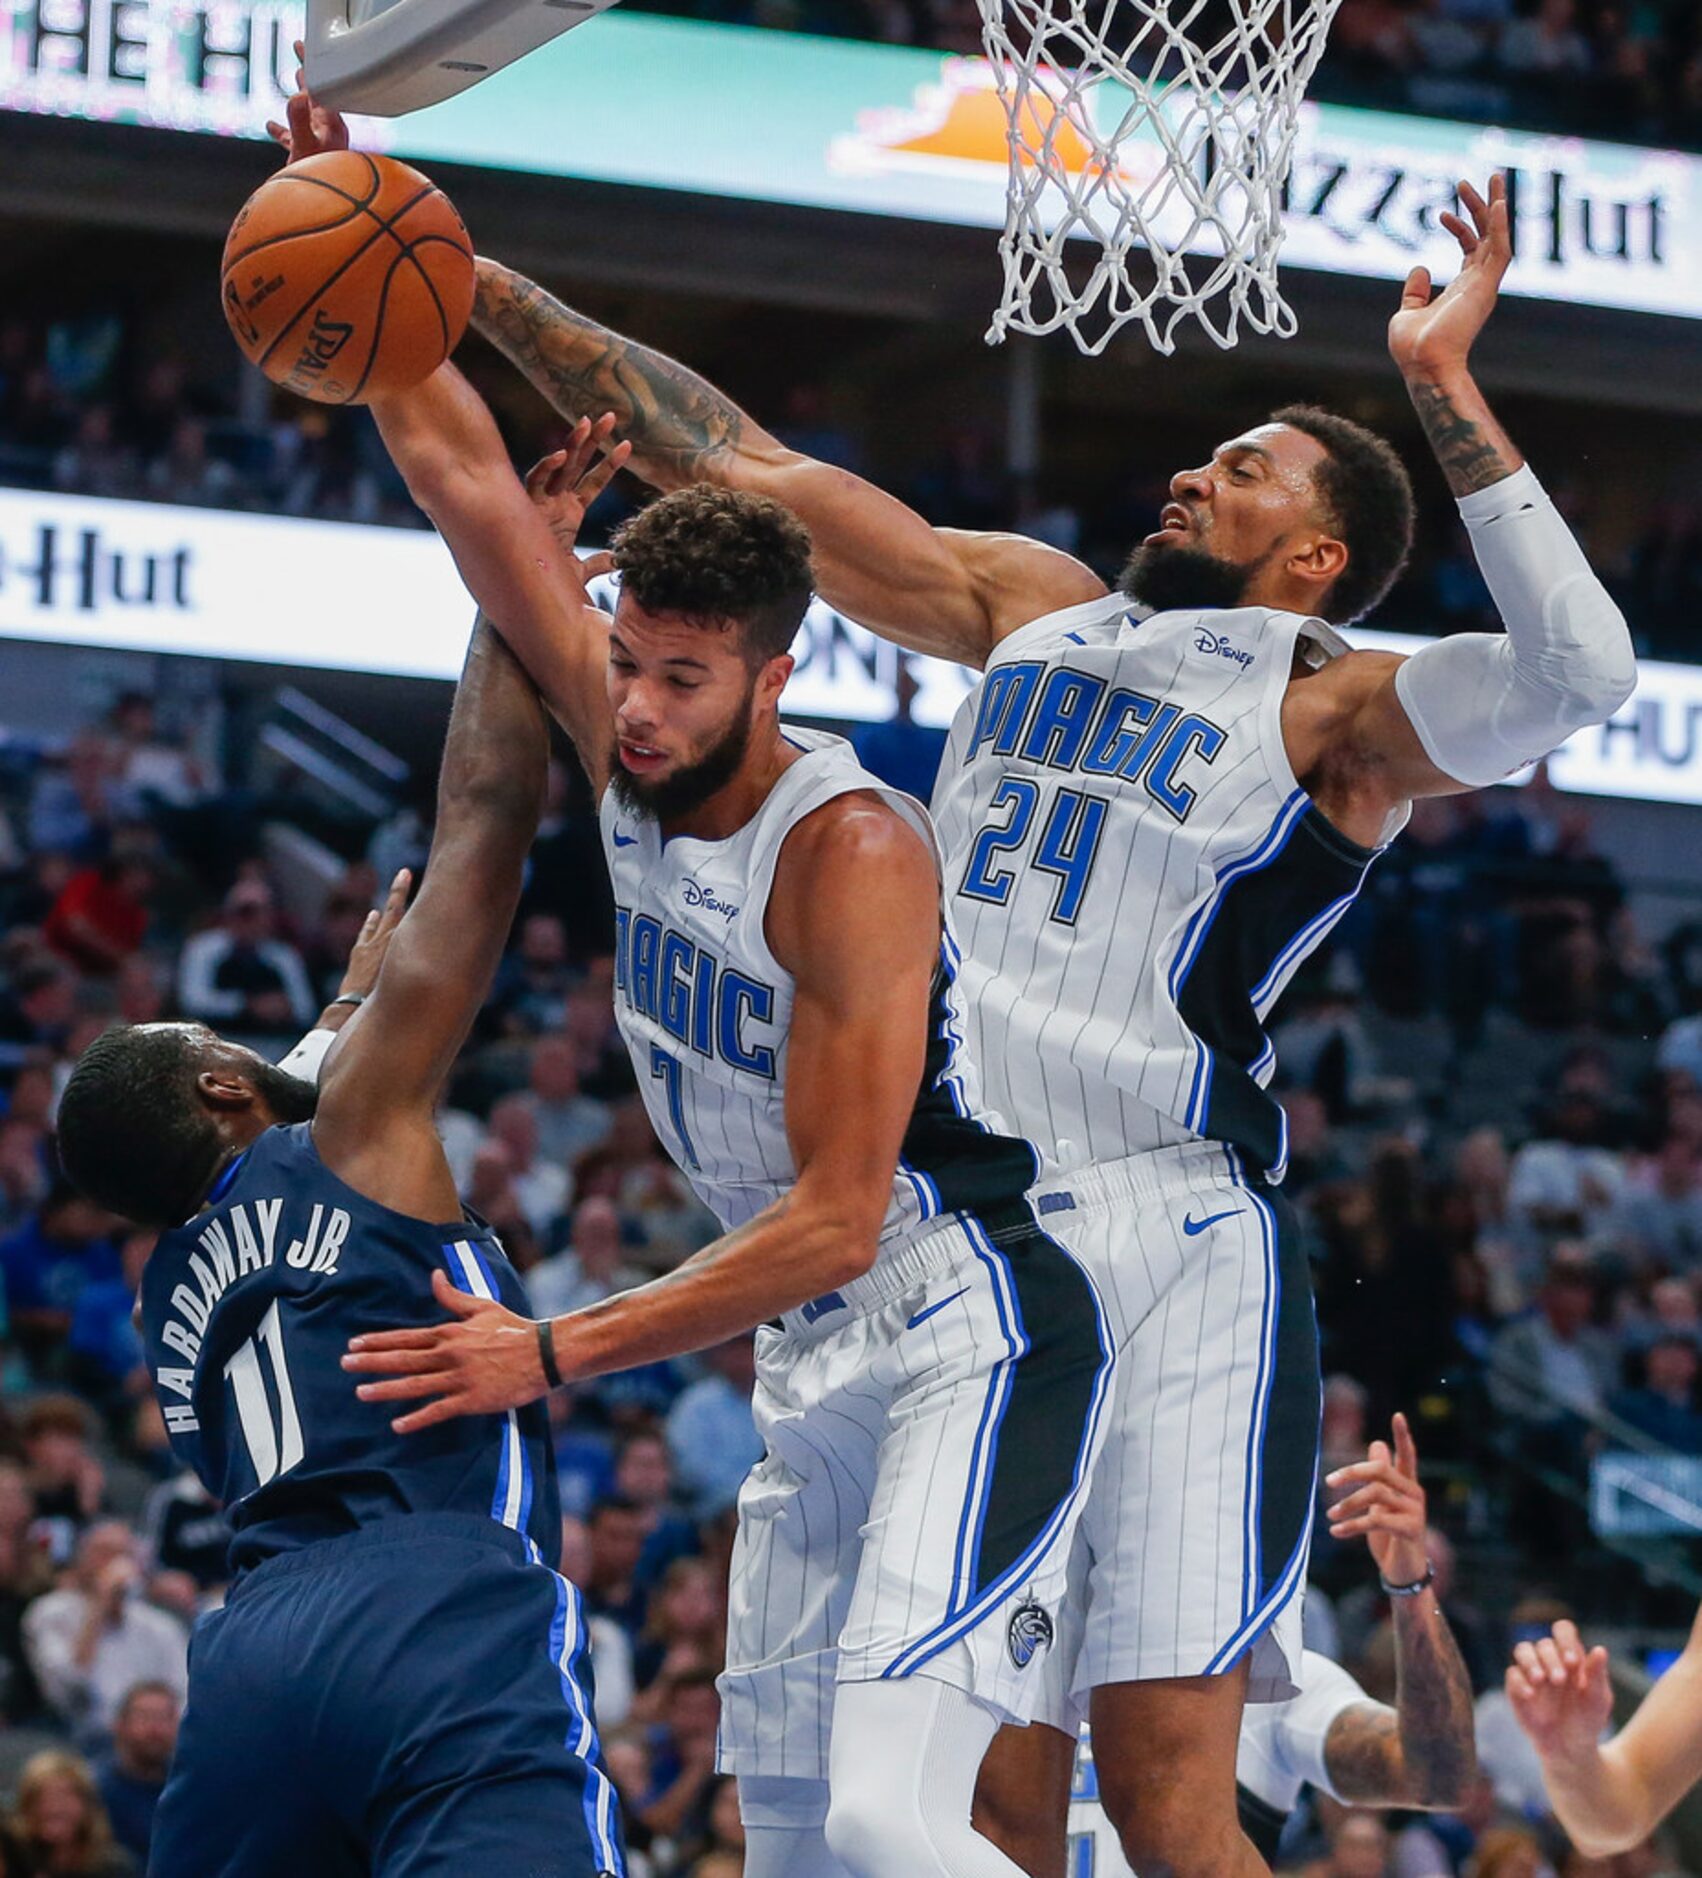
{"points": [[565, 483], [1428, 338], [311, 128], [366, 955], [483, 1361], [1385, 1506], [1560, 1693]]}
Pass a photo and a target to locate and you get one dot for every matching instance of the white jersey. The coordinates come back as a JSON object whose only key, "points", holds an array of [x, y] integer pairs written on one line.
{"points": [[706, 1011], [1136, 874]]}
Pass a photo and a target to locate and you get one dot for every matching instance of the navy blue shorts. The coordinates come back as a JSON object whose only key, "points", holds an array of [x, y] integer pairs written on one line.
{"points": [[413, 1700]]}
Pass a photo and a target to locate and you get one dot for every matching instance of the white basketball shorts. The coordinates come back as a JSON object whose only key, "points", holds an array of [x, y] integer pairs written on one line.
{"points": [[929, 1433], [1191, 1555]]}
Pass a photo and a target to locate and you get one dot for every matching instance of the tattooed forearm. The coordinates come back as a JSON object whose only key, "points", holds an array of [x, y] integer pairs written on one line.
{"points": [[682, 430], [1470, 447], [1422, 1752]]}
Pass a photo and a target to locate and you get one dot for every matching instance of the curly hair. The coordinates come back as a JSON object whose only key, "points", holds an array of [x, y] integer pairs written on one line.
{"points": [[716, 557], [132, 1136], [1367, 494]]}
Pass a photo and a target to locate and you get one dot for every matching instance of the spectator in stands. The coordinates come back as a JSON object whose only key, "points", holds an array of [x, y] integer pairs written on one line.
{"points": [[1546, 42], [644, 1474], [65, 1244], [711, 1433], [103, 1348], [96, 461], [66, 1480], [1510, 1852], [626, 1759], [184, 1529], [25, 1573], [569, 1122], [1553, 1366], [532, 989], [1657, 1219], [242, 979], [618, 1529], [94, 1639], [543, 1187], [101, 917], [611, 1647], [1359, 1848], [132, 1776], [1566, 1181], [188, 473], [61, 1822], [40, 1011], [686, 1631], [1663, 1405], [682, 1755], [590, 1268], [70, 807]]}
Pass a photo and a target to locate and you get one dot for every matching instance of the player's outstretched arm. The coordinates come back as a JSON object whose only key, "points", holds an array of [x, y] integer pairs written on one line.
{"points": [[938, 590], [854, 916], [387, 1066], [443, 439], [1610, 1796], [1421, 1752], [1471, 709]]}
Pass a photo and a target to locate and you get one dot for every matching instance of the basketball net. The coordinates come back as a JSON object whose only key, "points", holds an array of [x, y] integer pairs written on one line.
{"points": [[1163, 132]]}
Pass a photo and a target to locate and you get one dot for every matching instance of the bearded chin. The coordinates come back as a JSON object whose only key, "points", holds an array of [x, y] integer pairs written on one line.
{"points": [[670, 797], [290, 1098], [1172, 579]]}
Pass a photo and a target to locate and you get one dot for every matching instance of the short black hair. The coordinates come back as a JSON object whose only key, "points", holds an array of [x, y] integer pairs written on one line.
{"points": [[132, 1135], [1368, 495], [717, 557]]}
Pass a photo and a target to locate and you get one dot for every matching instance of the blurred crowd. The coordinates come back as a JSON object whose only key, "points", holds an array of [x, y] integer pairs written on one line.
{"points": [[1626, 70], [83, 413]]}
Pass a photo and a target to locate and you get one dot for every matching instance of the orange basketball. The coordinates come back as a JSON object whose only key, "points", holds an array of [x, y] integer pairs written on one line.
{"points": [[347, 276]]}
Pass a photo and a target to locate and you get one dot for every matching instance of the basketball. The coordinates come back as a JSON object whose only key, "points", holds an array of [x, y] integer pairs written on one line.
{"points": [[347, 276]]}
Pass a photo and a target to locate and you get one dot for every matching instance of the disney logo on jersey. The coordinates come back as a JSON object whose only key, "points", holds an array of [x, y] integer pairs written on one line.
{"points": [[694, 894], [1213, 646]]}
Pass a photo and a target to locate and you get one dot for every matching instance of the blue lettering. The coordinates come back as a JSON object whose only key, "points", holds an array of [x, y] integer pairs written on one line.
{"points": [[646, 937], [1005, 698], [623, 934], [703, 1005], [1125, 734], [1190, 735], [741, 997], [1063, 718], [676, 985]]}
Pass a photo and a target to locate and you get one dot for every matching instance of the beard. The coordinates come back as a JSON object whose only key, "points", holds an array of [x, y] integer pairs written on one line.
{"points": [[1168, 579], [290, 1098], [669, 797]]}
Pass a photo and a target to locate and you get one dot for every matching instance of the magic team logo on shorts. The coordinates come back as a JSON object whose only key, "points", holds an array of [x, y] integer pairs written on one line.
{"points": [[1030, 1632]]}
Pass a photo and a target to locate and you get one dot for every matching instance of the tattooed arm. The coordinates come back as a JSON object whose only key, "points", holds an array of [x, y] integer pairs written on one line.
{"points": [[1473, 708], [1421, 1752], [939, 590]]}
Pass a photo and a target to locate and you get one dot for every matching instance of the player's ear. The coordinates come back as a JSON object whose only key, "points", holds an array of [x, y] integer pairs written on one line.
{"points": [[771, 680], [1320, 560], [225, 1088]]}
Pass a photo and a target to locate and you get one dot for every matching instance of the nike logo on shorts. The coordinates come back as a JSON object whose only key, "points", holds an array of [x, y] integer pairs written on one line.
{"points": [[626, 841], [1194, 1227], [922, 1316]]}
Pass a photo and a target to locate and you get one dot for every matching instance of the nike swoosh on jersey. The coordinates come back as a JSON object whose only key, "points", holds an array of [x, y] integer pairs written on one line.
{"points": [[1193, 1227], [922, 1316], [626, 841]]}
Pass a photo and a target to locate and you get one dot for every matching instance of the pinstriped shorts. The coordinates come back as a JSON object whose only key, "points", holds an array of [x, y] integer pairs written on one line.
{"points": [[928, 1438], [1191, 1555]]}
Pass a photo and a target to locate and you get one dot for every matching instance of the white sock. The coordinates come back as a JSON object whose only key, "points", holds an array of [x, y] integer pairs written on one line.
{"points": [[785, 1828], [903, 1765]]}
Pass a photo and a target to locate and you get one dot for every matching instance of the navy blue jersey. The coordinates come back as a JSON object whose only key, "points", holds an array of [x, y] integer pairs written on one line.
{"points": [[247, 1311]]}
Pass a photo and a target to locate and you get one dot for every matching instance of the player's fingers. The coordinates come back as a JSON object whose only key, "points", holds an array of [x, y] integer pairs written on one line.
{"points": [[1567, 1641], [538, 476], [370, 1341], [1375, 1493], [299, 113], [1416, 291], [278, 134], [602, 562], [1406, 1449], [443, 1410], [1357, 1471], [1475, 205], [598, 477], [1593, 1674], [1466, 237], [1549, 1657], [396, 900], [1525, 1655], [1519, 1690], [405, 1388]]}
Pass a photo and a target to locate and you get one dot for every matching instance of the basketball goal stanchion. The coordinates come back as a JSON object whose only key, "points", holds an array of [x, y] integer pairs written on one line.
{"points": [[387, 57], [1162, 132]]}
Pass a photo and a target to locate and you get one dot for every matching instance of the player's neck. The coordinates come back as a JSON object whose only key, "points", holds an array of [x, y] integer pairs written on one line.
{"points": [[743, 794]]}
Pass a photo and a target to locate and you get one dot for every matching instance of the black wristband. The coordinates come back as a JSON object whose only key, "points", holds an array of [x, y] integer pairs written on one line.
{"points": [[547, 1354], [1412, 1590]]}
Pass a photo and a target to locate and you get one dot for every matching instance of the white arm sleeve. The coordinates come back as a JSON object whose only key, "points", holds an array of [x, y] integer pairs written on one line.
{"points": [[1486, 704], [308, 1057]]}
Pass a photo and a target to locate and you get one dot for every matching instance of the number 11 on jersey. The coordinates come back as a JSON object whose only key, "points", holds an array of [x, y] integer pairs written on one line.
{"points": [[273, 1450]]}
